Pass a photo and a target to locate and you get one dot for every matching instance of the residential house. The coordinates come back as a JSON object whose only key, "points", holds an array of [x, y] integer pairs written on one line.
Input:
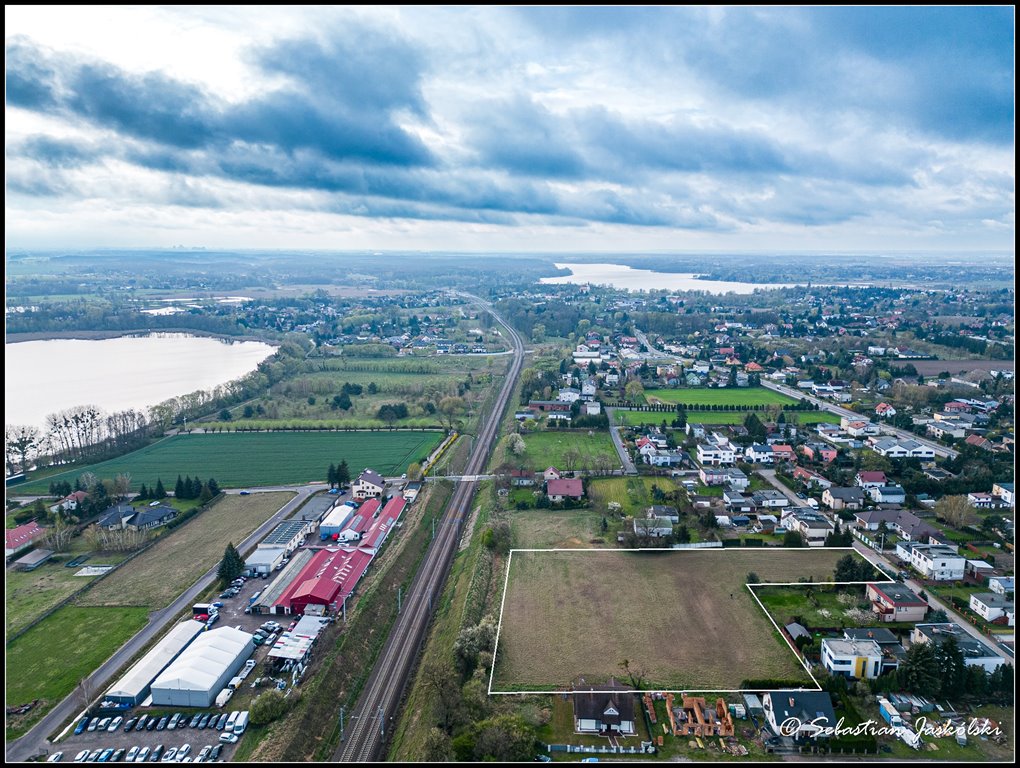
{"points": [[811, 479], [369, 484], [70, 502], [980, 442], [17, 539], [1001, 585], [522, 477], [116, 517], [735, 501], [888, 494], [783, 452], [896, 602], [593, 408], [653, 527], [837, 498], [885, 411], [661, 458], [769, 499], [697, 431], [608, 710], [717, 451], [800, 715], [818, 452], [853, 659], [568, 395], [1005, 492], [858, 427], [896, 448], [981, 500], [712, 475], [564, 488], [813, 526], [736, 479], [975, 652], [664, 510], [758, 454], [151, 517], [993, 607], [934, 561], [551, 473], [870, 479], [872, 519], [892, 649]]}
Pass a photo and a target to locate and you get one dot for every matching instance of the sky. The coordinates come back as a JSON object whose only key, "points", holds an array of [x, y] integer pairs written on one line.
{"points": [[553, 129]]}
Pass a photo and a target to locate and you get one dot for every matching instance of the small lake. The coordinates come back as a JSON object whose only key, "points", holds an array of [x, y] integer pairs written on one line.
{"points": [[42, 377], [630, 279]]}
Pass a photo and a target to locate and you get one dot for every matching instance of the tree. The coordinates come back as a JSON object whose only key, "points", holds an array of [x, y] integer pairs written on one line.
{"points": [[180, 491], [205, 495], [515, 444], [438, 747], [372, 388], [955, 510], [846, 569], [538, 332], [919, 672], [952, 668], [792, 539], [752, 578], [213, 486], [634, 391], [331, 475], [20, 441], [452, 408], [231, 566], [267, 707], [938, 616], [505, 739], [343, 473], [414, 471], [225, 415], [160, 492]]}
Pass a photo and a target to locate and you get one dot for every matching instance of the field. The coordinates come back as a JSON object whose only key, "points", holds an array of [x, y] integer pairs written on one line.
{"points": [[935, 367], [49, 660], [633, 494], [715, 396], [814, 608], [546, 449], [561, 529], [670, 615], [237, 460], [156, 577], [636, 418]]}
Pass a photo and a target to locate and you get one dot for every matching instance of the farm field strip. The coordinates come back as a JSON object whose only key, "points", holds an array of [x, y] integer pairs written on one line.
{"points": [[156, 577], [241, 459], [636, 418], [570, 613], [724, 396]]}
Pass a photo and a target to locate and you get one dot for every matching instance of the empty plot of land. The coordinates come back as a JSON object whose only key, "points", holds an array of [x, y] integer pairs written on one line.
{"points": [[156, 577], [554, 447], [719, 396], [566, 529], [682, 619], [655, 418], [935, 367]]}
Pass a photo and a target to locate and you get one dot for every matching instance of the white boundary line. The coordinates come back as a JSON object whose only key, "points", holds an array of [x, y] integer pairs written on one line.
{"points": [[750, 588]]}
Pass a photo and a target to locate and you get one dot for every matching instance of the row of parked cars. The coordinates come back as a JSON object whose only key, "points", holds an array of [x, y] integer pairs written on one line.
{"points": [[266, 632], [157, 754], [154, 723]]}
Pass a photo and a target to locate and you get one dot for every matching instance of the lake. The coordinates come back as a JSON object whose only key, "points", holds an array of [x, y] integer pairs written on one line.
{"points": [[42, 377], [630, 279]]}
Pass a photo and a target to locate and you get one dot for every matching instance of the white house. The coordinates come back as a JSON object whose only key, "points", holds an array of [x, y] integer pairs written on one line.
{"points": [[888, 494], [1001, 584], [975, 652], [593, 408], [990, 607], [854, 659], [368, 485], [717, 451], [799, 714], [895, 448], [933, 561], [1005, 492], [759, 454]]}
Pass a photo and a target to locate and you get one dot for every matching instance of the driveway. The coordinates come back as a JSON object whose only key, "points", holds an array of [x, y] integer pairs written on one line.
{"points": [[621, 450], [770, 475]]}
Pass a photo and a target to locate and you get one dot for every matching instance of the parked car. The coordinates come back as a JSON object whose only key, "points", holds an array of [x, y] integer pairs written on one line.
{"points": [[245, 493], [204, 753], [217, 605], [93, 755], [157, 752], [56, 757], [183, 751], [142, 722], [161, 726], [117, 755], [222, 722], [228, 738], [152, 724], [80, 757], [204, 721], [132, 754], [93, 724], [104, 756], [115, 724], [104, 724], [215, 753], [169, 755], [130, 724], [195, 720], [143, 755], [81, 726]]}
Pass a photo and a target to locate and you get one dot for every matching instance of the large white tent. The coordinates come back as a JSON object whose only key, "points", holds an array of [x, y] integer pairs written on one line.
{"points": [[133, 686], [198, 674]]}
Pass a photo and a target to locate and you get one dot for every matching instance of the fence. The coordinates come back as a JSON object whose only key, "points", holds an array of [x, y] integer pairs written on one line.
{"points": [[646, 748], [699, 545]]}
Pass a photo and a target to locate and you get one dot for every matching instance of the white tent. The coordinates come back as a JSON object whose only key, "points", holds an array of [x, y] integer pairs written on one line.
{"points": [[199, 673], [133, 686]]}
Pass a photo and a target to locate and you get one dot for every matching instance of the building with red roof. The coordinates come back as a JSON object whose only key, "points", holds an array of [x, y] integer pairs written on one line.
{"points": [[564, 488], [329, 577], [17, 539], [377, 534]]}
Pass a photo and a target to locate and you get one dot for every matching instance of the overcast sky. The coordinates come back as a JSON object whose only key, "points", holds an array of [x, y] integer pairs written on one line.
{"points": [[511, 129]]}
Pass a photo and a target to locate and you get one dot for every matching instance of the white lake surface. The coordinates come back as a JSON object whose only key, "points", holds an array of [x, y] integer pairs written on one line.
{"points": [[630, 279], [42, 377]]}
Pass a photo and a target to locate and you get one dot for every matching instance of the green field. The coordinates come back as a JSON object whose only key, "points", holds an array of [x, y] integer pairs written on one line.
{"points": [[558, 529], [714, 396], [49, 660], [670, 614], [637, 418], [547, 449], [813, 607], [633, 494], [260, 458], [157, 576]]}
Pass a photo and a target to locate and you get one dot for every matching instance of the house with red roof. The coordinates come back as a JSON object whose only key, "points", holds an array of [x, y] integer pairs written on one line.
{"points": [[564, 488], [17, 539], [885, 410], [870, 479]]}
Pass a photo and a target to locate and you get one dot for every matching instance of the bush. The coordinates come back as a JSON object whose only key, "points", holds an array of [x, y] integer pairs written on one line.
{"points": [[267, 707]]}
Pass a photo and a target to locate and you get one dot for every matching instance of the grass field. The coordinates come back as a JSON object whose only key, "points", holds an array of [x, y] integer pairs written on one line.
{"points": [[49, 660], [814, 608], [546, 449], [156, 577], [561, 529], [714, 396], [636, 418], [633, 494], [671, 615], [237, 460]]}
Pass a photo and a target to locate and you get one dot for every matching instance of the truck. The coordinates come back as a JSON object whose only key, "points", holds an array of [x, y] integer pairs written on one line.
{"points": [[200, 608], [232, 720], [223, 697], [889, 712], [241, 723]]}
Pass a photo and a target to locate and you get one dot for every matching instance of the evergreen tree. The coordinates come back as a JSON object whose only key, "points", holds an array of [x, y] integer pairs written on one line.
{"points": [[792, 539], [919, 672], [214, 487], [179, 490], [343, 473], [143, 493], [345, 402], [205, 494], [196, 488], [331, 475], [231, 566], [160, 492], [952, 668]]}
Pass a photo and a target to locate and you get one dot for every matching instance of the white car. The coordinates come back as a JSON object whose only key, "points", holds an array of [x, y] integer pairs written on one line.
{"points": [[228, 738], [183, 751], [168, 756], [115, 724], [56, 757], [204, 753], [131, 755], [143, 755], [80, 757]]}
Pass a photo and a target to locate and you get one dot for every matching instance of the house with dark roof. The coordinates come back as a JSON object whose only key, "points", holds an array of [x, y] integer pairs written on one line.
{"points": [[843, 498], [151, 517], [607, 709], [888, 643], [369, 483], [896, 602], [117, 517], [799, 714]]}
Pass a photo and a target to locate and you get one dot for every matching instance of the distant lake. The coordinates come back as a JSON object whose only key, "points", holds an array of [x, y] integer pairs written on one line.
{"points": [[630, 279], [42, 377]]}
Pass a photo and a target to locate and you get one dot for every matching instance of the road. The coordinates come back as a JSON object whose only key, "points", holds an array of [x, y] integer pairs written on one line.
{"points": [[652, 351], [940, 450], [621, 450], [374, 716], [770, 475], [35, 741], [934, 602]]}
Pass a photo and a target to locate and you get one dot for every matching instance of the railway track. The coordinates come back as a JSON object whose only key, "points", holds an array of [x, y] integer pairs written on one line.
{"points": [[372, 719]]}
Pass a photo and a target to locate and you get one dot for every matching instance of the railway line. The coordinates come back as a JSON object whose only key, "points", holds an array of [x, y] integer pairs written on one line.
{"points": [[371, 722]]}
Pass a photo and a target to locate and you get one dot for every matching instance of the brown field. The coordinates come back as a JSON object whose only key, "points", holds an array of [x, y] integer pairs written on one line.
{"points": [[935, 367], [683, 620], [559, 529], [156, 577]]}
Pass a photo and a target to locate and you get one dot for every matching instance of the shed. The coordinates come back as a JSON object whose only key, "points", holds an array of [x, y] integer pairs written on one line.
{"points": [[33, 559]]}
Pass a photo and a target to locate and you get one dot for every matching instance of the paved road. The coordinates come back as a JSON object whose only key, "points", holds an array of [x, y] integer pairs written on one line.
{"points": [[621, 449], [933, 601], [652, 351], [35, 741], [940, 450], [374, 716], [770, 475]]}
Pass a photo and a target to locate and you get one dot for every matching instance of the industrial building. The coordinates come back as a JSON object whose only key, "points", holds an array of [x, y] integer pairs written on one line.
{"points": [[335, 521], [279, 544], [380, 530], [359, 524], [267, 602], [328, 578], [133, 686], [203, 669]]}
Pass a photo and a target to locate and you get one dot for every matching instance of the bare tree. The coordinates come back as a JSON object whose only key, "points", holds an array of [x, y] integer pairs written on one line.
{"points": [[21, 441]]}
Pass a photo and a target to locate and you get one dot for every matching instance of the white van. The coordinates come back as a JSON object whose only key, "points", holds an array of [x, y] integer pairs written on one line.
{"points": [[231, 720]]}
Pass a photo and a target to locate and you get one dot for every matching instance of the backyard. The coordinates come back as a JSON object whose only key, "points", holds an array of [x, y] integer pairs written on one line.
{"points": [[711, 418], [552, 448]]}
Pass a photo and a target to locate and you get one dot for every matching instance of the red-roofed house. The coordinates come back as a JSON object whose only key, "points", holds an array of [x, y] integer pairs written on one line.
{"points": [[17, 539], [867, 479], [885, 410], [782, 452], [979, 442], [551, 474], [564, 488], [70, 502], [810, 478], [753, 368], [956, 407]]}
